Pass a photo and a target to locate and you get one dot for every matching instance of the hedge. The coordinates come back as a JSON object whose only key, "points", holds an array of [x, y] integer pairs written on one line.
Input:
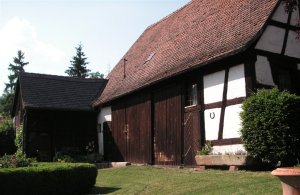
{"points": [[271, 127], [48, 178]]}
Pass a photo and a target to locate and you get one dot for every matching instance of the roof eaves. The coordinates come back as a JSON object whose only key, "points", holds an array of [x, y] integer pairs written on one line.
{"points": [[59, 109]]}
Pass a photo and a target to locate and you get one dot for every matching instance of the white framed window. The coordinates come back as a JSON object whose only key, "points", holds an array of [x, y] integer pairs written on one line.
{"points": [[191, 95]]}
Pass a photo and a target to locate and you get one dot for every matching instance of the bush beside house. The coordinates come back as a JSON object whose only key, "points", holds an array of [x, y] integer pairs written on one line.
{"points": [[271, 127]]}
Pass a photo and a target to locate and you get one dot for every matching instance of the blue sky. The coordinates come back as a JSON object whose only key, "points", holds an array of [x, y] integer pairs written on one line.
{"points": [[48, 31]]}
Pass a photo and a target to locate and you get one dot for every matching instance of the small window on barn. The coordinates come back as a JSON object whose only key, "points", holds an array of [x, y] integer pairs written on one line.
{"points": [[191, 96], [149, 57]]}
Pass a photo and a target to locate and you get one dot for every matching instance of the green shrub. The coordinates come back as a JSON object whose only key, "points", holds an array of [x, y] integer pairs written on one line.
{"points": [[19, 139], [48, 178], [206, 150], [6, 127], [15, 160], [70, 154], [271, 127]]}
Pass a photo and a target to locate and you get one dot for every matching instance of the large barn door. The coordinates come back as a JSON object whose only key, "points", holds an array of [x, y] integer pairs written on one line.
{"points": [[138, 113], [167, 126], [131, 126], [191, 136]]}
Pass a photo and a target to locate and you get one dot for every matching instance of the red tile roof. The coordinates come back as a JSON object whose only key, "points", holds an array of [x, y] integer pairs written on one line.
{"points": [[200, 32]]}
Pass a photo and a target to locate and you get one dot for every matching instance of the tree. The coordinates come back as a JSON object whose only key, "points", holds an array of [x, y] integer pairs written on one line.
{"points": [[15, 68], [270, 126], [78, 64], [96, 75], [6, 100]]}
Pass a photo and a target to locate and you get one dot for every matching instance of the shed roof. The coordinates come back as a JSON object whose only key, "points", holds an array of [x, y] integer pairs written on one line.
{"points": [[59, 92], [201, 32]]}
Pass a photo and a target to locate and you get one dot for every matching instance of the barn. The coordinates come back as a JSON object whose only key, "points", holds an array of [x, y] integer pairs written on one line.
{"points": [[56, 113], [182, 83]]}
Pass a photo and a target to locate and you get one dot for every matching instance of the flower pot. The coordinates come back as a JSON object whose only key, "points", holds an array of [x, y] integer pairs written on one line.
{"points": [[223, 160], [290, 179]]}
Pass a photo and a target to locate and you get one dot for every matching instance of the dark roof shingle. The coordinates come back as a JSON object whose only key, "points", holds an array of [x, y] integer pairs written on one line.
{"points": [[59, 92], [198, 33]]}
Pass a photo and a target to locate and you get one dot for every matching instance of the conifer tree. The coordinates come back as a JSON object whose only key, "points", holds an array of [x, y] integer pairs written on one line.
{"points": [[15, 68], [6, 100], [78, 64]]}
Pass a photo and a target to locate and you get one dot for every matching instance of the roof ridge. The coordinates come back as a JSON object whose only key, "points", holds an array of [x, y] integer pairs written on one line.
{"points": [[60, 77]]}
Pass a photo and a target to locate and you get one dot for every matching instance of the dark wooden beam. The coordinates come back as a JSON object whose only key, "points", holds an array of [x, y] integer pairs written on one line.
{"points": [[219, 104], [222, 115], [202, 108], [286, 34], [276, 56], [250, 74], [182, 96], [284, 25]]}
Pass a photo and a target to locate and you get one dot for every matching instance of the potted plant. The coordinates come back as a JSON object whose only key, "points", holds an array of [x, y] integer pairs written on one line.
{"points": [[290, 179]]}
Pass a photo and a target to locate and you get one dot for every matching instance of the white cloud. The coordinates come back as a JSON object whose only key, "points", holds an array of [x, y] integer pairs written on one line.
{"points": [[19, 34], [16, 34]]}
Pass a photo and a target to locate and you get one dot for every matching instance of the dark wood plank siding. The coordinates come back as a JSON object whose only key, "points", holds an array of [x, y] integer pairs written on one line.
{"points": [[191, 136], [51, 131], [167, 125], [117, 128], [131, 127], [138, 117], [144, 122]]}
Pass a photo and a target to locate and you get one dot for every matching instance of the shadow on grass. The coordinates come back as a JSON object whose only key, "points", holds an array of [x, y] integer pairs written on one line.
{"points": [[103, 190]]}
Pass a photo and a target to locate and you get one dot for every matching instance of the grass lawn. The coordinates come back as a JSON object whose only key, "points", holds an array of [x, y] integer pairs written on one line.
{"points": [[150, 180]]}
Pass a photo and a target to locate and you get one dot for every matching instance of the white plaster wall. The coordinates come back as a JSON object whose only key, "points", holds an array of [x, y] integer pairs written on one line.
{"points": [[280, 15], [295, 17], [232, 122], [228, 149], [212, 125], [103, 116], [236, 82], [293, 45], [271, 40], [213, 87], [263, 71]]}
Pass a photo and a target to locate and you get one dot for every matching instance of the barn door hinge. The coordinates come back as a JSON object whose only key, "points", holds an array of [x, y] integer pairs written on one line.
{"points": [[126, 130]]}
